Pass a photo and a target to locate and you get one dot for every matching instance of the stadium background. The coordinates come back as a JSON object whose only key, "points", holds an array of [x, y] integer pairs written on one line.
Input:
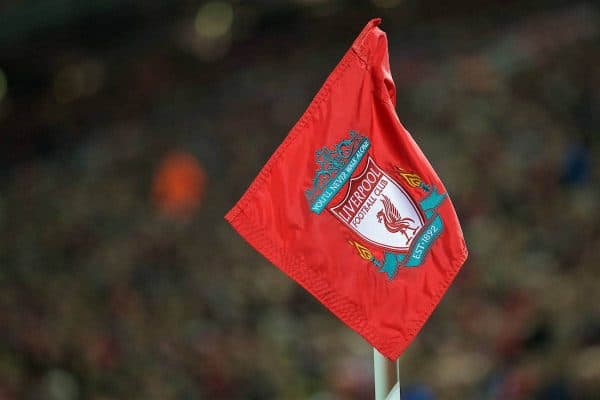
{"points": [[128, 128]]}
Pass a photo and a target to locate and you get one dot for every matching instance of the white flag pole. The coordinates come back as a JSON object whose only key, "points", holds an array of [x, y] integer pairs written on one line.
{"points": [[382, 381], [380, 375], [395, 393]]}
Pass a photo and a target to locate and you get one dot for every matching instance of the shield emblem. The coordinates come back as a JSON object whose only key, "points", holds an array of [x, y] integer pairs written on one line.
{"points": [[379, 210]]}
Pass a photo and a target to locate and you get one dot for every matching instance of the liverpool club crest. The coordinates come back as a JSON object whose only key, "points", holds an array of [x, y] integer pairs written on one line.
{"points": [[378, 209], [397, 223]]}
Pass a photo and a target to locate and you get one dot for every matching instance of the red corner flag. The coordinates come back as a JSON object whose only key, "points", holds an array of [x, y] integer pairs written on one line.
{"points": [[349, 207]]}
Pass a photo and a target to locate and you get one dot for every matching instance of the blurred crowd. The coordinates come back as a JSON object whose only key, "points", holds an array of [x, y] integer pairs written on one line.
{"points": [[119, 278]]}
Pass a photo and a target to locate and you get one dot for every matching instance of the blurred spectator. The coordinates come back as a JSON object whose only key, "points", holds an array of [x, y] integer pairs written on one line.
{"points": [[179, 184]]}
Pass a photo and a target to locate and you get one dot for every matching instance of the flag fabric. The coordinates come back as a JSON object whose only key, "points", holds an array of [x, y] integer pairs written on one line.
{"points": [[349, 207]]}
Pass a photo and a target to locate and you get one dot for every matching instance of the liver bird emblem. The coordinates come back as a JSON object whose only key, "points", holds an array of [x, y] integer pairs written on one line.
{"points": [[392, 219]]}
